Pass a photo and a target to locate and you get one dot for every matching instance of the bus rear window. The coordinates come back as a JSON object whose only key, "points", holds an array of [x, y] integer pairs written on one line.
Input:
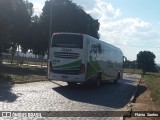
{"points": [[67, 40]]}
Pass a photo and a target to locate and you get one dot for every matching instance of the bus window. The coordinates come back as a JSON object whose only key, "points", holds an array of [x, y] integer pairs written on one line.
{"points": [[66, 40]]}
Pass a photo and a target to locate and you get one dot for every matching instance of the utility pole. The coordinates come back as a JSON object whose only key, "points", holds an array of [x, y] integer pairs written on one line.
{"points": [[50, 37]]}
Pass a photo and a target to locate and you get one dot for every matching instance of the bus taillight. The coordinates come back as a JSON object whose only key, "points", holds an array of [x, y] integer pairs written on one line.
{"points": [[82, 68]]}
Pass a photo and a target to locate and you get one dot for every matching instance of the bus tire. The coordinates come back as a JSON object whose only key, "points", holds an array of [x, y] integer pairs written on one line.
{"points": [[98, 80], [71, 83], [118, 77]]}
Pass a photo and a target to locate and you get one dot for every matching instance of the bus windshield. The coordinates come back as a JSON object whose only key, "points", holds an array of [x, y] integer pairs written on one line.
{"points": [[67, 40]]}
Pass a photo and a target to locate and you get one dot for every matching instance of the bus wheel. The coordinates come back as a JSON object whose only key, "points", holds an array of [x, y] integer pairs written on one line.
{"points": [[118, 77], [98, 80], [71, 83]]}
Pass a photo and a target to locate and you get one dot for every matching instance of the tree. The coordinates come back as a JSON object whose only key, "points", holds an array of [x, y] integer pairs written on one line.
{"points": [[20, 22], [15, 18], [5, 9], [36, 37], [27, 19], [146, 61], [130, 64], [66, 17], [158, 67], [69, 17]]}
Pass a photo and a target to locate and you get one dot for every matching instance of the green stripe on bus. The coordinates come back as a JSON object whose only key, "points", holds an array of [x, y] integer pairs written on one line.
{"points": [[92, 69], [70, 68], [73, 64]]}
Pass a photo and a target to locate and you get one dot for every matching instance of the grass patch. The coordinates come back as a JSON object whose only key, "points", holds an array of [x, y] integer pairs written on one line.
{"points": [[21, 74], [5, 78], [153, 82], [133, 71], [26, 61]]}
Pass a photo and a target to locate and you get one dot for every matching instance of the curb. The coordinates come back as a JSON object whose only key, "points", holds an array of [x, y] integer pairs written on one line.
{"points": [[128, 107], [134, 94]]}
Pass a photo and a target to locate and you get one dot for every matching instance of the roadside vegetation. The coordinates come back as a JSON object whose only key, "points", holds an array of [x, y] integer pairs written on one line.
{"points": [[13, 74], [132, 71], [25, 61], [153, 83], [152, 80], [21, 30], [145, 66]]}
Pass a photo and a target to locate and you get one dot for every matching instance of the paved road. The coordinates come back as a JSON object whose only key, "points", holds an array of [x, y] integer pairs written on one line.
{"points": [[57, 96]]}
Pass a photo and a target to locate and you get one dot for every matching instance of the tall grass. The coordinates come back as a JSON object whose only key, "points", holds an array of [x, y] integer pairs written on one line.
{"points": [[132, 71], [153, 82]]}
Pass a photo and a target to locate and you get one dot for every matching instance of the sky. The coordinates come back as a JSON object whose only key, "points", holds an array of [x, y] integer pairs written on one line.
{"points": [[131, 25]]}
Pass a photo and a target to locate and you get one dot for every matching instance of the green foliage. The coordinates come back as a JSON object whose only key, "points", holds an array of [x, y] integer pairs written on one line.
{"points": [[20, 22], [66, 16], [5, 9], [36, 40], [146, 61], [5, 78], [21, 74], [132, 71], [130, 64], [158, 68], [15, 18], [153, 82], [19, 27]]}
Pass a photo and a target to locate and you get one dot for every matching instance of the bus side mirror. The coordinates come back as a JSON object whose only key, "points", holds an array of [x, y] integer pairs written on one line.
{"points": [[124, 59]]}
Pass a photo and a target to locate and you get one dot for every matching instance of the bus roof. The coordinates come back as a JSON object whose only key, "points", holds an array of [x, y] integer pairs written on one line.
{"points": [[90, 37]]}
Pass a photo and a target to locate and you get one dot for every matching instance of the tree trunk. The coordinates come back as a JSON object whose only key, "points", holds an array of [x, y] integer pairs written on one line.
{"points": [[41, 63], [11, 59], [143, 72], [27, 60], [0, 58], [35, 61]]}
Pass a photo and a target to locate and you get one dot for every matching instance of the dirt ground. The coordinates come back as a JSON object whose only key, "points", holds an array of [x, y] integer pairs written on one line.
{"points": [[144, 102]]}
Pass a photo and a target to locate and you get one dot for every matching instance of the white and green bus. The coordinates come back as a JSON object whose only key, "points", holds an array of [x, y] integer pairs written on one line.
{"points": [[80, 58]]}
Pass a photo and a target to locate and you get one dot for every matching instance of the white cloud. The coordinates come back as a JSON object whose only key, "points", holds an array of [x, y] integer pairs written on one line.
{"points": [[126, 33], [128, 29], [104, 11], [122, 32]]}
